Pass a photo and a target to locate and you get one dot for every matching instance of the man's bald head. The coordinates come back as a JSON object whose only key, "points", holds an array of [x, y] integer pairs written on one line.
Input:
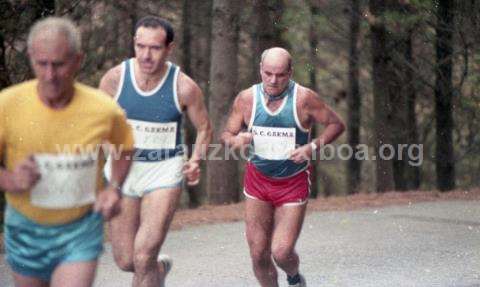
{"points": [[277, 56], [275, 70]]}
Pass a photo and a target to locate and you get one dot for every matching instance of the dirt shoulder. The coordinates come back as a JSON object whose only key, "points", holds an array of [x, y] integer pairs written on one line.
{"points": [[209, 214]]}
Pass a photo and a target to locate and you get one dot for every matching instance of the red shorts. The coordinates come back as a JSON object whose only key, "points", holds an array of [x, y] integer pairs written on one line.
{"points": [[279, 191]]}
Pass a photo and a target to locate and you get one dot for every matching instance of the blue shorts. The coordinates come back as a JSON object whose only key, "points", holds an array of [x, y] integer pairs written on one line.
{"points": [[35, 250]]}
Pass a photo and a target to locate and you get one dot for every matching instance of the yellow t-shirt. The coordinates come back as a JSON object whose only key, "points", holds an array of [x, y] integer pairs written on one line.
{"points": [[29, 127]]}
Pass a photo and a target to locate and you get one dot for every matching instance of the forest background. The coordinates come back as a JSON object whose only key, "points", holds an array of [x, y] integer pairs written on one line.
{"points": [[399, 72]]}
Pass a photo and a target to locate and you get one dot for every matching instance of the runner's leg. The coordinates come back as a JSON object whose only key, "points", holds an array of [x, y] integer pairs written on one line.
{"points": [[157, 210], [74, 274], [259, 224], [122, 231], [27, 281], [288, 224]]}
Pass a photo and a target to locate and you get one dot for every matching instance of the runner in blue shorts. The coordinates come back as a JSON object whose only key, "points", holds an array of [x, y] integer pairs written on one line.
{"points": [[49, 130]]}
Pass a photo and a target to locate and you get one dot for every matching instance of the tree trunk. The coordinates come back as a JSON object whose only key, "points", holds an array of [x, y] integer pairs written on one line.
{"points": [[186, 39], [200, 43], [192, 191], [313, 41], [402, 96], [395, 99], [413, 176], [131, 11], [4, 78], [381, 62], [196, 37], [4, 82], [5, 13], [267, 29], [444, 154], [398, 89], [127, 19], [354, 100], [222, 174]]}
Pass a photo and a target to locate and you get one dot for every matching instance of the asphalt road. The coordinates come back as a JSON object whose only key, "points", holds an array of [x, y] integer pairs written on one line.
{"points": [[424, 244]]}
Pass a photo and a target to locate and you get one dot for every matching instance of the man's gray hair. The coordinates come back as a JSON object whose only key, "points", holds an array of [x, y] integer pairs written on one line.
{"points": [[56, 25]]}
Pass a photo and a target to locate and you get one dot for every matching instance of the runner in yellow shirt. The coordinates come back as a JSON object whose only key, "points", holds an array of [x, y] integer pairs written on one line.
{"points": [[52, 131]]}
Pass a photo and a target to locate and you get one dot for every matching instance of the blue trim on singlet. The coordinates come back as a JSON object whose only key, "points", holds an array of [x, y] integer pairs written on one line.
{"points": [[284, 118], [157, 106]]}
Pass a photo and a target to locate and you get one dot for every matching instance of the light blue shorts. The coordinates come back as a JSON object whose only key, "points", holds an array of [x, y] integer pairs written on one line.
{"points": [[35, 250]]}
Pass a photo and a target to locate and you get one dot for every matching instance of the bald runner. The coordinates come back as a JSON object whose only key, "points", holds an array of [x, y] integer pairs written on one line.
{"points": [[275, 118]]}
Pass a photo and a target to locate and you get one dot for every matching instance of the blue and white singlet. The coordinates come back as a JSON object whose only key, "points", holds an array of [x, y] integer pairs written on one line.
{"points": [[276, 134]]}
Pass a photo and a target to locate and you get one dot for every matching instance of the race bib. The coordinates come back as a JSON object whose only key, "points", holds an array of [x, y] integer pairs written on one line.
{"points": [[273, 143], [154, 135], [66, 181]]}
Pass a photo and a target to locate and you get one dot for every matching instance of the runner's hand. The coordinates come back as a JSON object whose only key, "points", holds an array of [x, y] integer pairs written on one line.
{"points": [[108, 202], [191, 171], [25, 175], [302, 154], [242, 140]]}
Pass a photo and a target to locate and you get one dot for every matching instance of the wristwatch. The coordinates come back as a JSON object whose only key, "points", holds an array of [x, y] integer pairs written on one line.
{"points": [[116, 186]]}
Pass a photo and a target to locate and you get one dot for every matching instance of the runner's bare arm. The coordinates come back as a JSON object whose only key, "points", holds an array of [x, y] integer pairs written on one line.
{"points": [[108, 199], [313, 110], [319, 112], [240, 112], [191, 98], [110, 81], [120, 167]]}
